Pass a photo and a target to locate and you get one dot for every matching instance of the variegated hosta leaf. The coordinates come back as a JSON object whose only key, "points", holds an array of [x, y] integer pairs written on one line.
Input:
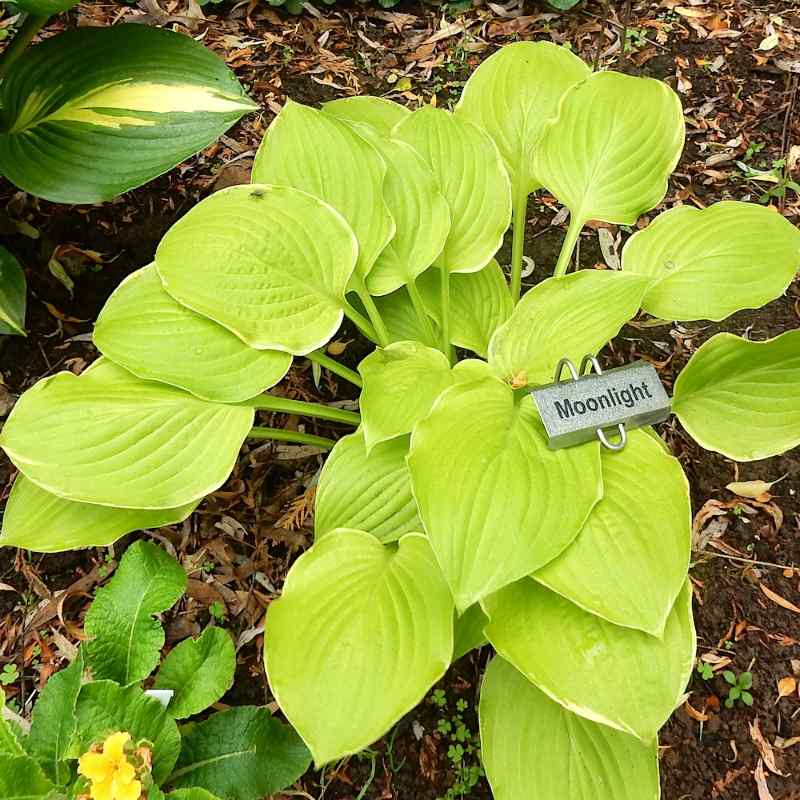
{"points": [[45, 523], [570, 316], [512, 94], [144, 330], [12, 294], [471, 175], [325, 157], [496, 502], [741, 398], [109, 438], [616, 676], [479, 303], [533, 747], [94, 112], [401, 321], [710, 263], [367, 491], [600, 158], [269, 263], [630, 559], [377, 112], [401, 383], [359, 635]]}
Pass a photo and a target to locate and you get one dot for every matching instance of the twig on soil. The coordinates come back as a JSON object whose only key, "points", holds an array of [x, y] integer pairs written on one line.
{"points": [[619, 26]]}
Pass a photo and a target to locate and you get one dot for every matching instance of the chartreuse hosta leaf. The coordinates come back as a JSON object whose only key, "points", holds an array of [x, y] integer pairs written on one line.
{"points": [[710, 263], [45, 523], [599, 157], [240, 754], [12, 294], [468, 630], [629, 561], [497, 504], [97, 111], [512, 94], [360, 634], [616, 676], [568, 316], [144, 330], [125, 638], [401, 383], [401, 321], [113, 439], [479, 303], [377, 112], [341, 168], [366, 491], [104, 706], [471, 175], [270, 263], [742, 398], [199, 671], [533, 747]]}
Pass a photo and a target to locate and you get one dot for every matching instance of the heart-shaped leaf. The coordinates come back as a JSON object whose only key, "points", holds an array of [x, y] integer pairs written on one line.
{"points": [[113, 439], [496, 502], [12, 294], [341, 168], [367, 491], [93, 112], [377, 112], [710, 263], [401, 320], [270, 263], [471, 176], [360, 634], [533, 747], [590, 666], [742, 398], [629, 561], [144, 330]]}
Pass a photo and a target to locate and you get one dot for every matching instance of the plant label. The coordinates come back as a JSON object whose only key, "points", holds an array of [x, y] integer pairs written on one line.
{"points": [[574, 410]]}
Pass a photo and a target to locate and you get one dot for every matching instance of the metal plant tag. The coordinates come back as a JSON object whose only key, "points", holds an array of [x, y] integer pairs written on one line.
{"points": [[580, 409]]}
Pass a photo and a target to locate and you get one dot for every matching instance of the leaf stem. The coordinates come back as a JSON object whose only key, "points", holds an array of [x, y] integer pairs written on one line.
{"points": [[570, 240], [419, 309], [372, 310], [444, 288], [360, 321], [335, 367], [282, 435], [282, 405], [32, 25], [518, 219]]}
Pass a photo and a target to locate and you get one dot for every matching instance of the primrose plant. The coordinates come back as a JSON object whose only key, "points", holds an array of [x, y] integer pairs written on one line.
{"points": [[96, 734], [445, 520]]}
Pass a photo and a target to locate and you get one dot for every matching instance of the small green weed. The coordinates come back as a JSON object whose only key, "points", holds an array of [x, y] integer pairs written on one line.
{"points": [[704, 670], [463, 746], [739, 688], [9, 675]]}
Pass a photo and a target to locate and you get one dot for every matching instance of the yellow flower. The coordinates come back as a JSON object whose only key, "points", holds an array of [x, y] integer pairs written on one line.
{"points": [[111, 775]]}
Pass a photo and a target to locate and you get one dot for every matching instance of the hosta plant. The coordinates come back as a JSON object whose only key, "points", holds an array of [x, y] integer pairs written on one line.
{"points": [[96, 733], [444, 520]]}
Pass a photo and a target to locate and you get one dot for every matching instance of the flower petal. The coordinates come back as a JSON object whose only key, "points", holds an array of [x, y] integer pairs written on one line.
{"points": [[131, 790], [114, 746], [102, 790], [95, 766]]}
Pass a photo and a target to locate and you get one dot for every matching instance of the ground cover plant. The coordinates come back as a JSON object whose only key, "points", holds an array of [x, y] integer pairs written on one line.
{"points": [[382, 425]]}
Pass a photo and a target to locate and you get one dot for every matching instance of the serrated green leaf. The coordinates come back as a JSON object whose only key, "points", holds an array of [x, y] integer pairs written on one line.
{"points": [[269, 263], [512, 94], [153, 336], [45, 523], [496, 502], [115, 440], [599, 159], [12, 293], [590, 666], [571, 317], [341, 168], [368, 492], [629, 561], [9, 738], [533, 747], [401, 383], [360, 634], [46, 8], [127, 639], [468, 631], [93, 112], [377, 112], [710, 263], [191, 794], [240, 754], [742, 398], [467, 165], [104, 708], [401, 321], [54, 723], [199, 671], [479, 303], [21, 778]]}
